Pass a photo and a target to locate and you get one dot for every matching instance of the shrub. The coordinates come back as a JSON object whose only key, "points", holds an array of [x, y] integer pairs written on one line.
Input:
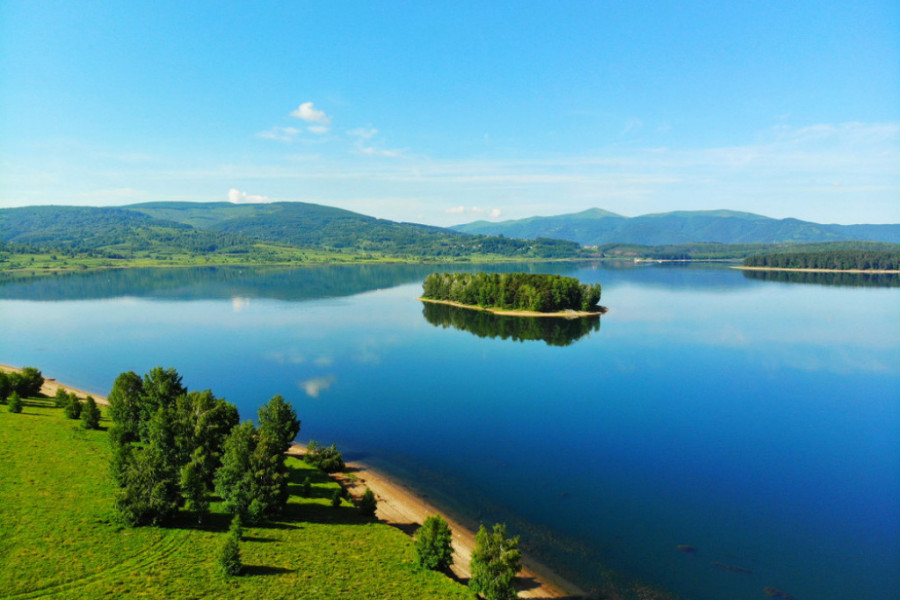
{"points": [[336, 498], [495, 562], [230, 552], [368, 504], [306, 487], [90, 414], [61, 398], [326, 458], [433, 544], [73, 407], [14, 403]]}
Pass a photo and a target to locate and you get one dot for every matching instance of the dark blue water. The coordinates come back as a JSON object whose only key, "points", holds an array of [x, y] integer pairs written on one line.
{"points": [[757, 421]]}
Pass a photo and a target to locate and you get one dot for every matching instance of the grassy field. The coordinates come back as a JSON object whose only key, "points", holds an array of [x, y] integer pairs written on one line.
{"points": [[57, 539]]}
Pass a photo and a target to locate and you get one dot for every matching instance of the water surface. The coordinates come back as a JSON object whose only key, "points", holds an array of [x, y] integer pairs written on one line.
{"points": [[754, 419]]}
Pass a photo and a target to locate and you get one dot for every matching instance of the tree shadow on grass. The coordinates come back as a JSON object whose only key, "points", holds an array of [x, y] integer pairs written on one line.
{"points": [[251, 570], [320, 513]]}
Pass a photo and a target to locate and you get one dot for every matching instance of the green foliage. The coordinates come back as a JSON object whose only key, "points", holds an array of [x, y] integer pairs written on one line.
{"points": [[306, 488], [859, 259], [28, 383], [222, 233], [14, 403], [169, 443], [513, 291], [495, 562], [90, 414], [367, 504], [253, 478], [61, 398], [125, 407], [6, 386], [433, 544], [278, 419], [230, 553], [60, 544], [73, 407], [336, 498], [148, 493], [329, 459]]}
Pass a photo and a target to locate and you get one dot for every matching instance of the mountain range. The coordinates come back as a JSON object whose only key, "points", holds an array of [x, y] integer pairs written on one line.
{"points": [[596, 227]]}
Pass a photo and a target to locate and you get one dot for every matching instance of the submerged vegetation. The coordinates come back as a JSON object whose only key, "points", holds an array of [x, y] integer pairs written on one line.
{"points": [[513, 291]]}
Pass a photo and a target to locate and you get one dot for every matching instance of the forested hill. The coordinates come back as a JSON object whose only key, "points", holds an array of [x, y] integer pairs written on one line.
{"points": [[198, 228], [597, 227]]}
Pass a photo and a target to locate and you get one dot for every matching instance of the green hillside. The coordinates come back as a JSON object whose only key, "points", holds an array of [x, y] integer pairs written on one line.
{"points": [[597, 227], [223, 233], [57, 540]]}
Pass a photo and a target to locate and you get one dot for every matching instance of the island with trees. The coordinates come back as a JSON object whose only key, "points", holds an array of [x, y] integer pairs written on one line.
{"points": [[517, 294], [863, 258]]}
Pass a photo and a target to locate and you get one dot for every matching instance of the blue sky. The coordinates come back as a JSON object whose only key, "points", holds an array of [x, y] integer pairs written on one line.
{"points": [[448, 112]]}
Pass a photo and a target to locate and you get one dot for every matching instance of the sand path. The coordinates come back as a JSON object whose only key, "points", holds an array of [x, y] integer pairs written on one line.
{"points": [[401, 507]]}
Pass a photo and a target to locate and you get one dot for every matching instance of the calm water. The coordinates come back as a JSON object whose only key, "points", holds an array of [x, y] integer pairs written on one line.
{"points": [[754, 419]]}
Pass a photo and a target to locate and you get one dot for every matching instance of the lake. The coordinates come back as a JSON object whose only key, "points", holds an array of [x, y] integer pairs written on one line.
{"points": [[752, 417]]}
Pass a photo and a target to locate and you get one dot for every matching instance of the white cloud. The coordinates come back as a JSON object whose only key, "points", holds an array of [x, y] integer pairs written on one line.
{"points": [[281, 134], [239, 197], [315, 386], [455, 210], [365, 134], [320, 122]]}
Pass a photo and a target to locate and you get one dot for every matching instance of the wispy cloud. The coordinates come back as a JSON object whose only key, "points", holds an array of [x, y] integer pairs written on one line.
{"points": [[281, 134], [320, 123], [491, 212], [239, 197], [363, 143]]}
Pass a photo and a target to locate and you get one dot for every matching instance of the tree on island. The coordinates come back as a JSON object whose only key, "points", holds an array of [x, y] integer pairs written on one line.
{"points": [[495, 562], [513, 291], [433, 544]]}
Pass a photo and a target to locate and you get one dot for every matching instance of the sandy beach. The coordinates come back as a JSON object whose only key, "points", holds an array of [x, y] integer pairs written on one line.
{"points": [[51, 385], [398, 505], [565, 314]]}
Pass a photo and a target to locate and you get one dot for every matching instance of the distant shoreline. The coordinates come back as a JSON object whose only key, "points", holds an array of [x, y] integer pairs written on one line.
{"points": [[564, 314], [51, 385], [799, 270], [398, 505]]}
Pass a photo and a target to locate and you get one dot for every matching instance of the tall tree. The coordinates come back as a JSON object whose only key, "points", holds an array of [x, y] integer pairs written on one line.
{"points": [[433, 544], [279, 419], [125, 400], [495, 562]]}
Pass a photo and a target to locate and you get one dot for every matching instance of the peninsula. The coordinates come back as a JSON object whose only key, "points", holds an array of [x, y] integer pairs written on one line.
{"points": [[515, 294]]}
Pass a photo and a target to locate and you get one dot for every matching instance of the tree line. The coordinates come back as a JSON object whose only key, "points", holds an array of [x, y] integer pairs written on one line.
{"points": [[514, 291], [843, 260]]}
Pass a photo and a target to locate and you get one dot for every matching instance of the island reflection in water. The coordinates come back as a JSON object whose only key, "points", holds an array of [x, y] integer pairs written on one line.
{"points": [[827, 278], [555, 331]]}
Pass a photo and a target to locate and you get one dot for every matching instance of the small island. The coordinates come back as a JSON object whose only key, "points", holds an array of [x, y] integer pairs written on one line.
{"points": [[515, 294]]}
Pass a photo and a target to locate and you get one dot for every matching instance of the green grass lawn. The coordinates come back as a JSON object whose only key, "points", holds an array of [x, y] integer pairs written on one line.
{"points": [[57, 539]]}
